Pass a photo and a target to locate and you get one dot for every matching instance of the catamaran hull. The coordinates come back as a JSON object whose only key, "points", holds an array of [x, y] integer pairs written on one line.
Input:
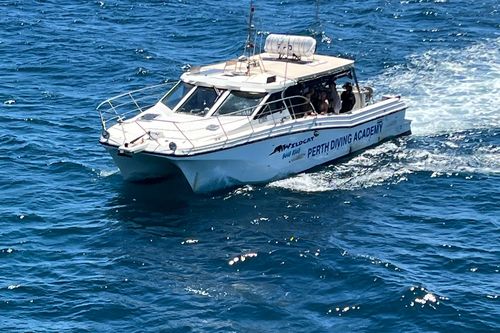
{"points": [[264, 160]]}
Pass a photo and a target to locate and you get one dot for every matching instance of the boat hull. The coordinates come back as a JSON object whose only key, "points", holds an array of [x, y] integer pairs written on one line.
{"points": [[264, 160], [142, 166]]}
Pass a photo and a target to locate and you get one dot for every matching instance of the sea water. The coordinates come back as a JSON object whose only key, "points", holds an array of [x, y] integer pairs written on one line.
{"points": [[403, 237]]}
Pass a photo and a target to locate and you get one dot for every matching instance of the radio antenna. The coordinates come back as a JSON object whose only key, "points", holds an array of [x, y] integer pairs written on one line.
{"points": [[250, 43]]}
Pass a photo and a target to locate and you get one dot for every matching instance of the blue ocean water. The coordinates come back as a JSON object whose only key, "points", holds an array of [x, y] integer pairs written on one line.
{"points": [[404, 237]]}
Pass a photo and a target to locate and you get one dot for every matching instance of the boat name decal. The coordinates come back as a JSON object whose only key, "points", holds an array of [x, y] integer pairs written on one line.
{"points": [[283, 147], [369, 131], [340, 142]]}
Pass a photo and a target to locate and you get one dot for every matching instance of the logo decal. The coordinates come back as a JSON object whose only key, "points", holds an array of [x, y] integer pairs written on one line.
{"points": [[283, 147]]}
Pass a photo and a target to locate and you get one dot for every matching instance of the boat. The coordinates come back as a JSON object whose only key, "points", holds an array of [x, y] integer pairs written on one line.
{"points": [[249, 120]]}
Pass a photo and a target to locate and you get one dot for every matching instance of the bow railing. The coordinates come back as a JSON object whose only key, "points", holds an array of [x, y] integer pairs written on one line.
{"points": [[217, 130], [127, 105]]}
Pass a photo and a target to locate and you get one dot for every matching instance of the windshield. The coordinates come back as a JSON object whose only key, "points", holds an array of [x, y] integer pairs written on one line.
{"points": [[240, 103], [173, 97], [200, 102]]}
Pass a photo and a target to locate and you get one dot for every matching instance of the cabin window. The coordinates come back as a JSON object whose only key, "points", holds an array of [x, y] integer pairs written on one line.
{"points": [[297, 105], [240, 103], [174, 96], [273, 104], [200, 101]]}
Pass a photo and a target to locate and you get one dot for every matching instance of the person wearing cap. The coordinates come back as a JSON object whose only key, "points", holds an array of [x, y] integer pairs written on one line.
{"points": [[348, 98]]}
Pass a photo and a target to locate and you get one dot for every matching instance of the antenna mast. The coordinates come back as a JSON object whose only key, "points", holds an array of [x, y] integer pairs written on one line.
{"points": [[250, 43]]}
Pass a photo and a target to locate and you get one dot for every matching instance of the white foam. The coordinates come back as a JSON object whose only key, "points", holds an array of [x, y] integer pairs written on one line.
{"points": [[361, 171], [390, 164], [305, 182], [448, 90], [107, 173]]}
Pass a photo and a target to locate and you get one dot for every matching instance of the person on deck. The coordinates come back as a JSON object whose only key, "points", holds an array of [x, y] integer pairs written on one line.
{"points": [[348, 98], [324, 104], [307, 110], [335, 104]]}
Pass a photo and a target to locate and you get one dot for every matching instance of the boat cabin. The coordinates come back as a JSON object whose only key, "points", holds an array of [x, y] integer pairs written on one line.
{"points": [[284, 82], [287, 85]]}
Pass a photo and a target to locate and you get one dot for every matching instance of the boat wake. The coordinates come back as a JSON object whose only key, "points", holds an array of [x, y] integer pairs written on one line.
{"points": [[455, 127], [464, 152], [449, 90]]}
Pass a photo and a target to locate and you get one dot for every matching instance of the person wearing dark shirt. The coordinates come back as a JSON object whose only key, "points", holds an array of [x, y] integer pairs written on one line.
{"points": [[347, 97]]}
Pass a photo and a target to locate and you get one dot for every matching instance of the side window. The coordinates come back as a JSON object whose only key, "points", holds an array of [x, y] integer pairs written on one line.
{"points": [[274, 104], [174, 96], [295, 103], [240, 103]]}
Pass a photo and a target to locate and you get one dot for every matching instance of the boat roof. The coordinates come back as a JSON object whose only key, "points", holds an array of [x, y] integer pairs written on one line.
{"points": [[265, 72]]}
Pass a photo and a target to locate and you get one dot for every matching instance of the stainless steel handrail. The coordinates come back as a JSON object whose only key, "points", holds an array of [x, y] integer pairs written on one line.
{"points": [[109, 111]]}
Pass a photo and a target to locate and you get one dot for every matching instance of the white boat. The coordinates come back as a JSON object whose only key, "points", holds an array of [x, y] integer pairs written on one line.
{"points": [[247, 120]]}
